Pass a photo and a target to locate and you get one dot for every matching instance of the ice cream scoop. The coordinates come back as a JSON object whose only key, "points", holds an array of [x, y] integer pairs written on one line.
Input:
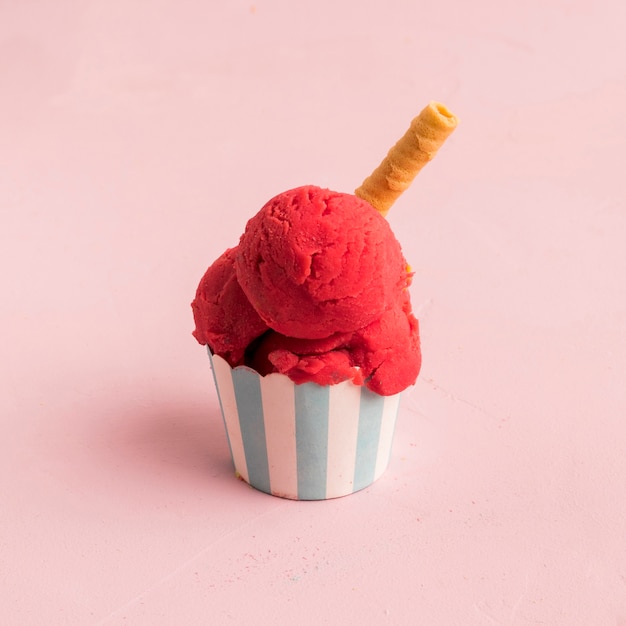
{"points": [[225, 320], [385, 355], [315, 262], [316, 290]]}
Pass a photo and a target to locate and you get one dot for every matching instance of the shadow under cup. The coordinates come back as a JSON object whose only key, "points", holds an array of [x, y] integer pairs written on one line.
{"points": [[304, 442]]}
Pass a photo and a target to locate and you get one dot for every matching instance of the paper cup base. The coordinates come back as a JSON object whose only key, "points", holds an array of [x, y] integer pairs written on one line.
{"points": [[304, 442]]}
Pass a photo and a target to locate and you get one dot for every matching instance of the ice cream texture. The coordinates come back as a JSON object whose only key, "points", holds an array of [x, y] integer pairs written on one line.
{"points": [[317, 288]]}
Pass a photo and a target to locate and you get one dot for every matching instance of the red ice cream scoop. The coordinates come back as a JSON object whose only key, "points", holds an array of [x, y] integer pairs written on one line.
{"points": [[315, 262], [225, 320], [316, 290]]}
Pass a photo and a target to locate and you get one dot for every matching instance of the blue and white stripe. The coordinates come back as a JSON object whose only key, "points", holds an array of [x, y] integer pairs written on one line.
{"points": [[304, 442]]}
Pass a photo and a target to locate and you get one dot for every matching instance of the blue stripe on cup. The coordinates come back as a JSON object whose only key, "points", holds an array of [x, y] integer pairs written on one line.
{"points": [[311, 440]]}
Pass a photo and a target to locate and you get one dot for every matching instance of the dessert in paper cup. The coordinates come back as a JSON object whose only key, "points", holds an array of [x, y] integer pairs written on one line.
{"points": [[309, 328]]}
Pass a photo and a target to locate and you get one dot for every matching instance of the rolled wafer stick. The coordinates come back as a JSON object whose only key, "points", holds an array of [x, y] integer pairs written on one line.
{"points": [[418, 146]]}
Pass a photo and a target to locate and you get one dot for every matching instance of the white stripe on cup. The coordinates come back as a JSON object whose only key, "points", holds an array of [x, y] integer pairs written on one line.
{"points": [[226, 391], [280, 434], [390, 412], [343, 426]]}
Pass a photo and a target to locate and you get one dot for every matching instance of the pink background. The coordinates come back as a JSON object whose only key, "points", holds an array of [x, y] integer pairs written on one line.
{"points": [[136, 139]]}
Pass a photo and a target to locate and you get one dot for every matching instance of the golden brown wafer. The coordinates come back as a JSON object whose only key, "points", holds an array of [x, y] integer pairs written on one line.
{"points": [[420, 143]]}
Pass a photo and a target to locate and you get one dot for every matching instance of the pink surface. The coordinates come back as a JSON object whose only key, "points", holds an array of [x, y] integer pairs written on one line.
{"points": [[136, 140]]}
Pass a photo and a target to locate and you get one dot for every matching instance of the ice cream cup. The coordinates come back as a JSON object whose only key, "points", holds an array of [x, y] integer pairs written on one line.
{"points": [[306, 441]]}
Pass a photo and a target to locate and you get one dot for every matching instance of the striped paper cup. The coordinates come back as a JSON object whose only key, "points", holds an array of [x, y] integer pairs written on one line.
{"points": [[304, 442]]}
